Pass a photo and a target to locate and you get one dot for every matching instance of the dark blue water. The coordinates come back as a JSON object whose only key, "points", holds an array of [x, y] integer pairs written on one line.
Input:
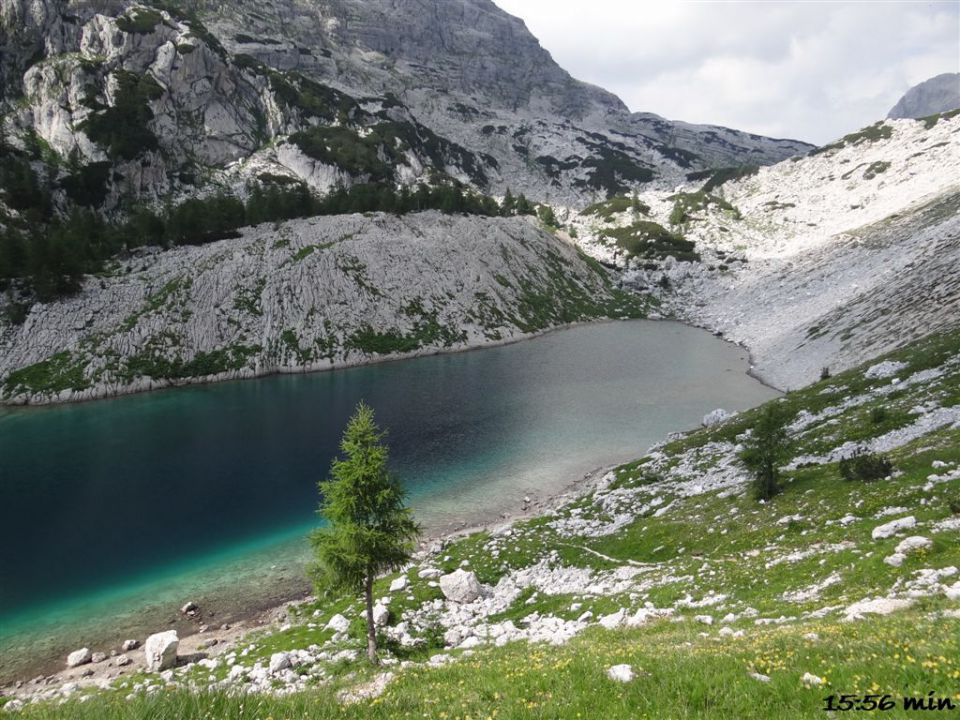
{"points": [[158, 497]]}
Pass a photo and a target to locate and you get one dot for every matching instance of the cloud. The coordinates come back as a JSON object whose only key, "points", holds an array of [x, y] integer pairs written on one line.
{"points": [[809, 70]]}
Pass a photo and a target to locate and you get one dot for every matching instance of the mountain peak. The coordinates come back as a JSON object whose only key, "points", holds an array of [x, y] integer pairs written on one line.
{"points": [[936, 95]]}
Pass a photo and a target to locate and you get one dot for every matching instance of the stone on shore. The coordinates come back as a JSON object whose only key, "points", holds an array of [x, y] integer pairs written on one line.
{"points": [[160, 651], [716, 417], [460, 586], [129, 645], [79, 657]]}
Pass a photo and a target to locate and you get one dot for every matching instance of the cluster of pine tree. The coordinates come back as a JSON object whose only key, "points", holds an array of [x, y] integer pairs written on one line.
{"points": [[51, 254]]}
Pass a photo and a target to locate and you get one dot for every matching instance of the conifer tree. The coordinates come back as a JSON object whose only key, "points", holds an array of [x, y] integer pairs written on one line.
{"points": [[370, 531], [766, 449]]}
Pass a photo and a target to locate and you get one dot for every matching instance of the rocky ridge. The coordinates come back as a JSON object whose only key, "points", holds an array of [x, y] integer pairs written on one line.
{"points": [[814, 262], [939, 94], [215, 95], [304, 295]]}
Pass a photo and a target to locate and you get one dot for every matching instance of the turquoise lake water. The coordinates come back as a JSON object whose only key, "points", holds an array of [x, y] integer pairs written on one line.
{"points": [[116, 512]]}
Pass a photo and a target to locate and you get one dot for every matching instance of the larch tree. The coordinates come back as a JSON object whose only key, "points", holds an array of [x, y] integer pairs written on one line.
{"points": [[369, 529], [766, 449]]}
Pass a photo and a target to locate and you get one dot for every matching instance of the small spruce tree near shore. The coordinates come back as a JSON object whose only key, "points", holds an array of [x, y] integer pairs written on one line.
{"points": [[766, 449], [370, 531]]}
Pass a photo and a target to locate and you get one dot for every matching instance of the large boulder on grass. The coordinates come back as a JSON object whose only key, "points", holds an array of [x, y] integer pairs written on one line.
{"points": [[460, 586]]}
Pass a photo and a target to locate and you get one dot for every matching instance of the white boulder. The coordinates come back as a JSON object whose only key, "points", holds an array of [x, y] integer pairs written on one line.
{"points": [[279, 661], [160, 651], [380, 614], [716, 417], [811, 680], [884, 370], [893, 527], [914, 543], [399, 584], [878, 606], [621, 673], [460, 586], [79, 657], [338, 623], [614, 620]]}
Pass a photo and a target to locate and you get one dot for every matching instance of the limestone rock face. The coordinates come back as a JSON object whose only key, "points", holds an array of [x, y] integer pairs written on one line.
{"points": [[936, 95], [460, 586], [311, 295], [469, 92], [160, 651]]}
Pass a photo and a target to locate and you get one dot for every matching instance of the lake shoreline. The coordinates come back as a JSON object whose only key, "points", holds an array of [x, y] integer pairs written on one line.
{"points": [[145, 385], [251, 610], [50, 671], [149, 385]]}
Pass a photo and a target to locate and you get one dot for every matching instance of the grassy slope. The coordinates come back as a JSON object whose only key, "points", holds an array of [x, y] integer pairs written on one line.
{"points": [[716, 542]]}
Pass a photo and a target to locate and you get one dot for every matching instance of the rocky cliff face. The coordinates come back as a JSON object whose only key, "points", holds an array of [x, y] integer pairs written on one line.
{"points": [[304, 295], [179, 102], [937, 95]]}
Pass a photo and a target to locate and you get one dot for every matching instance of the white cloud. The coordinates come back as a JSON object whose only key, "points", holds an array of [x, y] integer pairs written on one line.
{"points": [[809, 70]]}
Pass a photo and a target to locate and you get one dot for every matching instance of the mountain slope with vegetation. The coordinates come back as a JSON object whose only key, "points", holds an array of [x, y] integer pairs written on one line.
{"points": [[304, 295], [816, 262], [722, 605]]}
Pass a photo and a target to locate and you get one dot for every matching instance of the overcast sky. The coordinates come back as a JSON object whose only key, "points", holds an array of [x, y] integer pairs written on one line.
{"points": [[807, 70]]}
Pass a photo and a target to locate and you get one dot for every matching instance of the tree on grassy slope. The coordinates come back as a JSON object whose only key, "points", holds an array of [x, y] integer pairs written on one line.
{"points": [[370, 531], [766, 450]]}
